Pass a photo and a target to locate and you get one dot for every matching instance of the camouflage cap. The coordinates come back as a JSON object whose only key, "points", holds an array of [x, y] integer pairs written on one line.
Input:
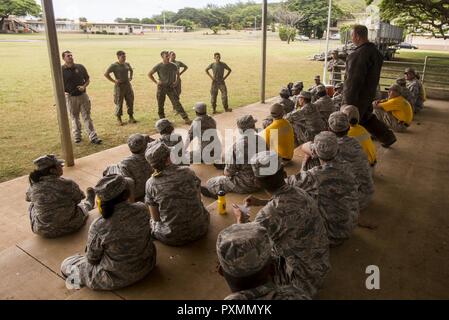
{"points": [[317, 78], [110, 186], [284, 92], [200, 107], [243, 249], [401, 81], [410, 70], [137, 143], [305, 95], [163, 124], [266, 163], [277, 110], [47, 161], [352, 112], [325, 145], [321, 88], [338, 122], [298, 85], [246, 122], [157, 153]]}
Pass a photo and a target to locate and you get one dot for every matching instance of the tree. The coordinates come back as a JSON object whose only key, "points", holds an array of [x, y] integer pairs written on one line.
{"points": [[315, 15], [418, 15], [82, 19], [148, 21], [18, 8], [288, 20], [187, 24]]}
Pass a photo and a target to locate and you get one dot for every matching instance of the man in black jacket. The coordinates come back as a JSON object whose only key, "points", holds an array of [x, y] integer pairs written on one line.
{"points": [[363, 68]]}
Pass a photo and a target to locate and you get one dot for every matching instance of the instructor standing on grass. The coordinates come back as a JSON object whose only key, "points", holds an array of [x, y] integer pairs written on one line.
{"points": [[123, 73], [218, 82], [168, 75], [76, 80]]}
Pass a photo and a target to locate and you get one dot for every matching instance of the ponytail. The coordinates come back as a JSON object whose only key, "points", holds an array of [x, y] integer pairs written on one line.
{"points": [[36, 175]]}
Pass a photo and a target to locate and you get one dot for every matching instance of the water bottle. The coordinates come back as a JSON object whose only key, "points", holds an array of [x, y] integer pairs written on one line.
{"points": [[221, 203]]}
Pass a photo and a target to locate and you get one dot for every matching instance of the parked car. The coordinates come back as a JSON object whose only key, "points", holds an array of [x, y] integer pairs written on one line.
{"points": [[302, 38], [335, 36], [406, 45]]}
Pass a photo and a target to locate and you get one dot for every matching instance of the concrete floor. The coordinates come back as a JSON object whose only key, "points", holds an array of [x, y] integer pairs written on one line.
{"points": [[407, 239]]}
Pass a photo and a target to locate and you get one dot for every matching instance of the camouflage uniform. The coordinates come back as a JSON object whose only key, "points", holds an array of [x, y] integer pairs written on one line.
{"points": [[199, 125], [244, 250], [351, 153], [175, 191], [137, 168], [56, 208], [334, 188], [306, 123], [219, 84], [122, 90], [119, 249], [240, 178], [415, 88], [288, 104], [325, 107], [180, 65]]}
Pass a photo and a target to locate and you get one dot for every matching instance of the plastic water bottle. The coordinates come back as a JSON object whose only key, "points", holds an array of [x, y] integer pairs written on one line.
{"points": [[221, 203]]}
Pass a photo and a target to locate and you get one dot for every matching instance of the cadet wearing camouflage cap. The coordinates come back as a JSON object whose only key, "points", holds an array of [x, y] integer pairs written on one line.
{"points": [[279, 134], [360, 133], [405, 92], [202, 125], [168, 136], [296, 90], [333, 186], [285, 101], [305, 120], [337, 98], [294, 226], [313, 90], [178, 215], [119, 250], [353, 155], [416, 89], [238, 175], [55, 207], [323, 103], [244, 254]]}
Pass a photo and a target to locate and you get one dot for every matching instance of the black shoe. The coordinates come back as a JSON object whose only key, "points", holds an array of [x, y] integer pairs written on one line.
{"points": [[78, 140], [205, 192], [90, 199], [228, 110], [390, 142], [96, 141]]}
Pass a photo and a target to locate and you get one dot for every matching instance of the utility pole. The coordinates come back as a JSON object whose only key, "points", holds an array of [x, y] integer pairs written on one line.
{"points": [[58, 84], [264, 51], [327, 42]]}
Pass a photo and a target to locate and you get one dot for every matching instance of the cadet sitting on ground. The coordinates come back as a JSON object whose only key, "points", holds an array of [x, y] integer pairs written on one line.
{"points": [[314, 89], [395, 112], [56, 208], [350, 153], [279, 134], [204, 129], [168, 136], [333, 187], [360, 133], [405, 92], [306, 120], [324, 103], [238, 174], [173, 194], [337, 98], [296, 90], [294, 226], [119, 250], [244, 254], [416, 89], [285, 101]]}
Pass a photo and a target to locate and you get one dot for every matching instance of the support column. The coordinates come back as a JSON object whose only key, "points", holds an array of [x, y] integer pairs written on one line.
{"points": [[58, 84], [264, 51]]}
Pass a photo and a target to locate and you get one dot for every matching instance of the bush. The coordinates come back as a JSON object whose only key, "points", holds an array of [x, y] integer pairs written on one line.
{"points": [[104, 32], [287, 33], [345, 33], [283, 33]]}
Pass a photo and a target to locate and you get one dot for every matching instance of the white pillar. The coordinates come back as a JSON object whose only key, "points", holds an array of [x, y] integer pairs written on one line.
{"points": [[264, 51], [327, 42]]}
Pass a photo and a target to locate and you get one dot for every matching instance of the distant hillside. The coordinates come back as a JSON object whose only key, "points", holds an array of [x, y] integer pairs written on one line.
{"points": [[352, 6]]}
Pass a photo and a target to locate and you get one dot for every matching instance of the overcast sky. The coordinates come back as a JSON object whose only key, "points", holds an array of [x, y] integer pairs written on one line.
{"points": [[108, 10]]}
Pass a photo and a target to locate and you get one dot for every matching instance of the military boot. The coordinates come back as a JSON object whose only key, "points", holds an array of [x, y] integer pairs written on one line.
{"points": [[119, 121], [132, 120], [90, 200]]}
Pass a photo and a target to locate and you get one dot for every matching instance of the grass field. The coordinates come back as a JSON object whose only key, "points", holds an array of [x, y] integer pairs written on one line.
{"points": [[29, 126]]}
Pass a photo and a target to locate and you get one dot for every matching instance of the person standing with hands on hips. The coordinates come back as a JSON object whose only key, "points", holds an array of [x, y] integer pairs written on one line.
{"points": [[168, 75], [218, 82], [123, 73]]}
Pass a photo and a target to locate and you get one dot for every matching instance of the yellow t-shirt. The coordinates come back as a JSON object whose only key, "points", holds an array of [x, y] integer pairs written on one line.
{"points": [[400, 108], [364, 138], [285, 145]]}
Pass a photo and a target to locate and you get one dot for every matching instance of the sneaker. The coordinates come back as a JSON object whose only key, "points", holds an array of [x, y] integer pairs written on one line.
{"points": [[132, 120], [205, 192], [96, 141]]}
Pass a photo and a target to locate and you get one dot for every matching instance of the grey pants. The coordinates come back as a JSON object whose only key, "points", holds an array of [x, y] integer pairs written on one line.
{"points": [[77, 105], [389, 120]]}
